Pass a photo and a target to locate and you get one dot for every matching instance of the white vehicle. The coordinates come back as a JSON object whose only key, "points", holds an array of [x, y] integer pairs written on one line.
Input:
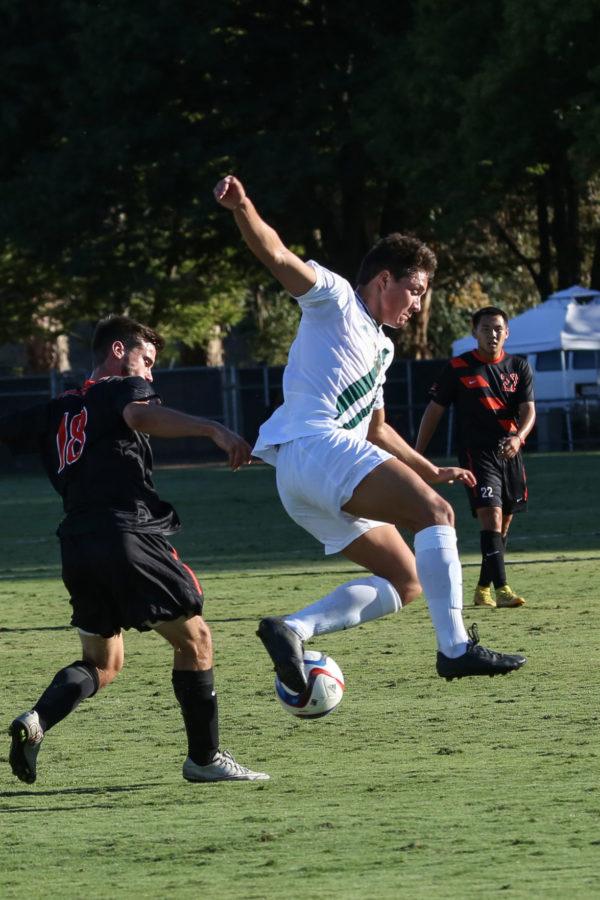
{"points": [[563, 374]]}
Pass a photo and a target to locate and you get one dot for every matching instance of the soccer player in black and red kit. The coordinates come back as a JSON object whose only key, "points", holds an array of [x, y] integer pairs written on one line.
{"points": [[119, 568], [492, 392]]}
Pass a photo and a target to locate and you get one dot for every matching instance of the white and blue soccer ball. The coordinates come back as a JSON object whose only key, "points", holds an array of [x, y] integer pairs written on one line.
{"points": [[323, 693]]}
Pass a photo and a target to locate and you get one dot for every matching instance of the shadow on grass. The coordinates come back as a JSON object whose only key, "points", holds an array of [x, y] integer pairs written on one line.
{"points": [[36, 628], [61, 792], [71, 627], [107, 789]]}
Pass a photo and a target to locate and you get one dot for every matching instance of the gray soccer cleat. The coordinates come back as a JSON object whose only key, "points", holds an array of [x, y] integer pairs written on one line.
{"points": [[27, 736], [222, 768]]}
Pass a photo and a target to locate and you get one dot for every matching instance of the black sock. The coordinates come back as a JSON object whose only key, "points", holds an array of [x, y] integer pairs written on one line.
{"points": [[198, 701], [492, 552], [485, 576], [68, 688], [485, 579]]}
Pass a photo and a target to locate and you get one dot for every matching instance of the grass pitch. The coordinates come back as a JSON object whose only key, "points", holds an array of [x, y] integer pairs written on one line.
{"points": [[413, 788]]}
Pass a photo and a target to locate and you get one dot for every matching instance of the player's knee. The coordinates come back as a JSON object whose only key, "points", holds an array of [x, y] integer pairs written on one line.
{"points": [[411, 590], [108, 673], [107, 668], [434, 511], [441, 512], [407, 587], [196, 647]]}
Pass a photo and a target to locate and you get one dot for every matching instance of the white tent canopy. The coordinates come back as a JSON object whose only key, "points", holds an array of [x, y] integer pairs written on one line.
{"points": [[567, 320]]}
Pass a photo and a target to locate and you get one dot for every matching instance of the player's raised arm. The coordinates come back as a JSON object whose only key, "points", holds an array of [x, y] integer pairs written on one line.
{"points": [[291, 272]]}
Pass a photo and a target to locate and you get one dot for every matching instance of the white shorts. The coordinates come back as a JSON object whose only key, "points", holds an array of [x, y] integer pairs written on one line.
{"points": [[317, 475]]}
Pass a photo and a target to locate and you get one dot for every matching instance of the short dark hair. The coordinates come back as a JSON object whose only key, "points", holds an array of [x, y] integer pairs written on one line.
{"points": [[122, 328], [401, 254], [488, 311]]}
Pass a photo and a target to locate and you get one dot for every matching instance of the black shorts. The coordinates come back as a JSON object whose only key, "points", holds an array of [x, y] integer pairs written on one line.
{"points": [[500, 482], [121, 580]]}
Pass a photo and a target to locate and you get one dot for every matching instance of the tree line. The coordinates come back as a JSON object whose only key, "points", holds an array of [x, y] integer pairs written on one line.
{"points": [[473, 125]]}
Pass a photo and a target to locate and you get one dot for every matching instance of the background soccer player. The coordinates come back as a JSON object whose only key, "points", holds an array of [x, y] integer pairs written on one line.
{"points": [[343, 473], [117, 564], [492, 393]]}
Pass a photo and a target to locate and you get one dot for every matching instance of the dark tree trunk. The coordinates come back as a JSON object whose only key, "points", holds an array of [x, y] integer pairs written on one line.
{"points": [[40, 353], [565, 223], [544, 281], [595, 273]]}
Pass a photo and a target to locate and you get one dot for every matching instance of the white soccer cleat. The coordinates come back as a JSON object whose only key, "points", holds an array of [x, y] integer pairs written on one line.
{"points": [[222, 768], [27, 736]]}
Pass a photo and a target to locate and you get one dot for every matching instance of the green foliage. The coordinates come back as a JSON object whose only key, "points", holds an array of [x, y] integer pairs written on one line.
{"points": [[275, 330], [473, 125]]}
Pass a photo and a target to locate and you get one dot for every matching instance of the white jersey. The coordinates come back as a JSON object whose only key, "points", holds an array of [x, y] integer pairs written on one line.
{"points": [[336, 367]]}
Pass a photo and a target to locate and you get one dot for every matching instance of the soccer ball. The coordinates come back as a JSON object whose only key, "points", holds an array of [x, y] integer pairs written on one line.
{"points": [[324, 691]]}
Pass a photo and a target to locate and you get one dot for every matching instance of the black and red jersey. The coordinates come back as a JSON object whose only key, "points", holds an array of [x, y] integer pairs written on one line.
{"points": [[486, 396], [101, 468]]}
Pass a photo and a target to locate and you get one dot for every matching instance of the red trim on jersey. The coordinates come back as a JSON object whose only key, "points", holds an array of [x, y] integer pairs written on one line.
{"points": [[492, 403], [81, 391], [191, 572], [508, 425], [474, 381], [488, 362], [459, 363]]}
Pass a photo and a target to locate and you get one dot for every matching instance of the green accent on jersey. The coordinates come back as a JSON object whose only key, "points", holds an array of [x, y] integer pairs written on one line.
{"points": [[359, 389], [359, 416]]}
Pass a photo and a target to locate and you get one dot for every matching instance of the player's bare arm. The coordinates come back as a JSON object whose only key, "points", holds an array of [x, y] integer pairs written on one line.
{"points": [[511, 445], [160, 421], [292, 273], [383, 435], [429, 423]]}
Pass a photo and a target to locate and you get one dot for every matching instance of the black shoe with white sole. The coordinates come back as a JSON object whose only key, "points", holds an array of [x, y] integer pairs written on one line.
{"points": [[478, 660]]}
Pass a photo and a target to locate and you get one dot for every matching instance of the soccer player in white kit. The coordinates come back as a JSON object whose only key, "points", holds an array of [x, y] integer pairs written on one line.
{"points": [[343, 473]]}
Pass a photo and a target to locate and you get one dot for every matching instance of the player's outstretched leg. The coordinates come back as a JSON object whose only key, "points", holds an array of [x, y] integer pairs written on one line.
{"points": [[286, 650], [222, 767], [26, 739], [478, 660]]}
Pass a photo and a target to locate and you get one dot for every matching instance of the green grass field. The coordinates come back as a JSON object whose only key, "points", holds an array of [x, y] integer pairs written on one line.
{"points": [[413, 788]]}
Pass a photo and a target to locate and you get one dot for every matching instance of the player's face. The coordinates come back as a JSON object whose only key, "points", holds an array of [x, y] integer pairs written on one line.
{"points": [[401, 298], [490, 333], [139, 361]]}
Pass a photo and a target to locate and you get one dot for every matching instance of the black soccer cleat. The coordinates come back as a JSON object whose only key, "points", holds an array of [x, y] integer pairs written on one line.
{"points": [[478, 660], [286, 650]]}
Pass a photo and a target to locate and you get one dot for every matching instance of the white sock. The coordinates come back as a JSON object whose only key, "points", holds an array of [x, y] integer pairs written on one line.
{"points": [[440, 574], [348, 605]]}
